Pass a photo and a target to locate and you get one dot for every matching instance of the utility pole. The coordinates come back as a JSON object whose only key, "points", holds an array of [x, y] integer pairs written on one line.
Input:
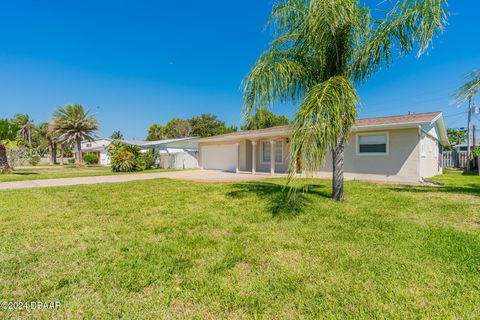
{"points": [[468, 130]]}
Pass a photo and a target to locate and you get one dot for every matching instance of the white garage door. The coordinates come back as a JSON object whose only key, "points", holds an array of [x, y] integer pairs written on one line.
{"points": [[219, 157]]}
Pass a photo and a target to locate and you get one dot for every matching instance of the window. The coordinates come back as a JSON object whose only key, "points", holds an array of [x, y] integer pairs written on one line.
{"points": [[266, 152], [89, 145], [372, 144]]}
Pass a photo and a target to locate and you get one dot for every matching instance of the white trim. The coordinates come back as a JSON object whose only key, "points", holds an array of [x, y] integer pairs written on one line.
{"points": [[273, 153], [387, 147]]}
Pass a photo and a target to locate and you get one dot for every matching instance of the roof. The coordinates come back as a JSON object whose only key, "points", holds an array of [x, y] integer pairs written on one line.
{"points": [[390, 122], [417, 118]]}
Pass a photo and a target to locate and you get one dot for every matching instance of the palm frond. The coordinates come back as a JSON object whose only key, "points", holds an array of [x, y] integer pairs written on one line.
{"points": [[469, 89], [326, 115], [276, 77], [409, 24]]}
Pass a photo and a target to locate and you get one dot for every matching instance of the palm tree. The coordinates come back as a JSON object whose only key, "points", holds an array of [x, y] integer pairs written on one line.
{"points": [[26, 126], [73, 125], [45, 131], [8, 135], [117, 135], [465, 93], [320, 51]]}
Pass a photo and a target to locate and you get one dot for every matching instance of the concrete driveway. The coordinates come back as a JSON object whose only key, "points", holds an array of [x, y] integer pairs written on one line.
{"points": [[192, 175]]}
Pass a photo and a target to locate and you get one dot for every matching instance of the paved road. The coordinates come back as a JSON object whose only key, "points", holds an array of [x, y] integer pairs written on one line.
{"points": [[193, 175]]}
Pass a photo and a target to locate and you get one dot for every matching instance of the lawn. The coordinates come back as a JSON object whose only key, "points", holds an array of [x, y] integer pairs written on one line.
{"points": [[66, 171], [162, 248]]}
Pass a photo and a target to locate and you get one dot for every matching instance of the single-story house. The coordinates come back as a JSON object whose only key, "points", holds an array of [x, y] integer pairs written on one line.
{"points": [[172, 153], [404, 148]]}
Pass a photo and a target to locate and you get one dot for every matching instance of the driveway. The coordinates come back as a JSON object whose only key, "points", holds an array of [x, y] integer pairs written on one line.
{"points": [[192, 175]]}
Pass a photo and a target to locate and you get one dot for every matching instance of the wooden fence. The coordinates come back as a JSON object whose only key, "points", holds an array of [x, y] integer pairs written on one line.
{"points": [[453, 159]]}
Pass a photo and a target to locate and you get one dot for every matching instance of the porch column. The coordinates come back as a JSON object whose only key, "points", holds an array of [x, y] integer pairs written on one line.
{"points": [[254, 157], [272, 157], [237, 165]]}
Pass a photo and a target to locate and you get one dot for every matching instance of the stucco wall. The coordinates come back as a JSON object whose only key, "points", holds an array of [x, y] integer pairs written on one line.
{"points": [[401, 164], [265, 167], [429, 157]]}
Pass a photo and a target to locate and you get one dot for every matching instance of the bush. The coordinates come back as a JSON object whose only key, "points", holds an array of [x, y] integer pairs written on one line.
{"points": [[71, 160], [146, 161], [34, 160], [124, 161], [91, 158], [128, 158]]}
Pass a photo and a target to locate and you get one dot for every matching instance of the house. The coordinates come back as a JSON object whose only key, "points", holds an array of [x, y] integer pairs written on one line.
{"points": [[172, 153], [404, 148]]}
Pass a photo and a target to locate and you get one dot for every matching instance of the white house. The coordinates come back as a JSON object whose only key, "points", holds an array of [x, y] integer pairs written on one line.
{"points": [[172, 153], [404, 148]]}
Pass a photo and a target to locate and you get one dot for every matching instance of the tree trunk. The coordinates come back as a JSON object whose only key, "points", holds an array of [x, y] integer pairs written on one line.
{"points": [[79, 151], [4, 166], [50, 151], [62, 152], [338, 156]]}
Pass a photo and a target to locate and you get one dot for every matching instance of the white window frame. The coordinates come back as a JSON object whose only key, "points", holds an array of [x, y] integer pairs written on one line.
{"points": [[387, 147], [273, 153]]}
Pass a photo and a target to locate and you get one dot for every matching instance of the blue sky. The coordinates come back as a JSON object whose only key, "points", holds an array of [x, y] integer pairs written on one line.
{"points": [[141, 62]]}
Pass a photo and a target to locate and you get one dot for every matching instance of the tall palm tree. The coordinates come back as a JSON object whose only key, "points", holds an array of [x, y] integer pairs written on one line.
{"points": [[45, 131], [321, 50], [465, 93], [73, 125], [26, 126], [8, 135]]}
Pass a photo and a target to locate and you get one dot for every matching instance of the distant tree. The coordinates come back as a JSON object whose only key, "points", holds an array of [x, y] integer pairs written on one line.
{"points": [[264, 118], [177, 128], [47, 138], [73, 124], [117, 135], [8, 135], [25, 123], [155, 132], [207, 125], [456, 137]]}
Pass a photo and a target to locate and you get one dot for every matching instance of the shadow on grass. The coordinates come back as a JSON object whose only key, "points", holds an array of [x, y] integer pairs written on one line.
{"points": [[470, 188], [24, 173], [280, 202]]}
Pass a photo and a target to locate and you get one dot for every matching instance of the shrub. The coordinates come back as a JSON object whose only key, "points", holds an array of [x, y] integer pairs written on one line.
{"points": [[146, 161], [33, 160], [91, 158], [71, 160], [127, 158], [124, 161]]}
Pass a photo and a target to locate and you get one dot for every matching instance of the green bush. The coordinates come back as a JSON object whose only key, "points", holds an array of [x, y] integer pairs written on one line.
{"points": [[124, 161], [146, 161], [127, 158], [476, 152], [34, 160], [91, 158], [71, 160]]}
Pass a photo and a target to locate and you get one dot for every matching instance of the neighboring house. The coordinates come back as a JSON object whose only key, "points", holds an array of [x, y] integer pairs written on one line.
{"points": [[463, 146], [403, 148], [172, 153]]}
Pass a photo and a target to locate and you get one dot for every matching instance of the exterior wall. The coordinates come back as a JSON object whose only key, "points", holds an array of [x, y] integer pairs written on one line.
{"points": [[429, 157], [104, 158], [265, 167], [401, 163]]}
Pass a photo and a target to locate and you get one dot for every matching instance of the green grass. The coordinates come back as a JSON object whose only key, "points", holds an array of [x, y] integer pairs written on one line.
{"points": [[166, 249], [67, 171]]}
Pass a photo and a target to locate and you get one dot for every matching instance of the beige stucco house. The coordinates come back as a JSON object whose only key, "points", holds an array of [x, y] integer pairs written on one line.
{"points": [[404, 148]]}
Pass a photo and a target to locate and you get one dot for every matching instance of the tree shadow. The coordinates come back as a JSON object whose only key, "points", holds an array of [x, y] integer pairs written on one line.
{"points": [[24, 173], [282, 201], [471, 189]]}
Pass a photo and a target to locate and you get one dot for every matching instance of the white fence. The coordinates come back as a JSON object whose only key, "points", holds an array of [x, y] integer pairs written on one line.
{"points": [[454, 159], [180, 160]]}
